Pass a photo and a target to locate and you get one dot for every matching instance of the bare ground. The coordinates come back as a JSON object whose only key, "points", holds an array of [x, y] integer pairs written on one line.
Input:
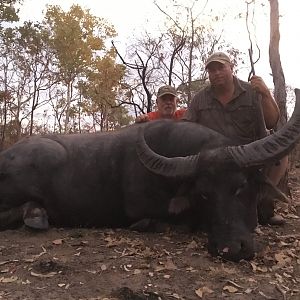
{"points": [[125, 265]]}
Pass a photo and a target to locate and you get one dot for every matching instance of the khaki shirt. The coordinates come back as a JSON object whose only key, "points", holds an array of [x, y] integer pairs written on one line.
{"points": [[240, 119]]}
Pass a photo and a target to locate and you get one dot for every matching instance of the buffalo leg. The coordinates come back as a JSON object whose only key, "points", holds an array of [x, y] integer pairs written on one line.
{"points": [[265, 209], [180, 202], [31, 214]]}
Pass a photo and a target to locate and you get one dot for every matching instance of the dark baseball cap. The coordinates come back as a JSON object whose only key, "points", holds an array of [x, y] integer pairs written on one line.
{"points": [[166, 90], [219, 57]]}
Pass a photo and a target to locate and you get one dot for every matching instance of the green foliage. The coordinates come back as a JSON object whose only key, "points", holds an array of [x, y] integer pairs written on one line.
{"points": [[75, 36], [101, 90], [84, 63]]}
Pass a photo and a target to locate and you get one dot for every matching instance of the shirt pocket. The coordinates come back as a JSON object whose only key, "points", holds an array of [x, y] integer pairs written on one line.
{"points": [[245, 121]]}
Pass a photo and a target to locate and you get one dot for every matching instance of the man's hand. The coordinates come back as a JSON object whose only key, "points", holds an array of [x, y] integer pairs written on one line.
{"points": [[259, 85], [142, 118], [270, 108]]}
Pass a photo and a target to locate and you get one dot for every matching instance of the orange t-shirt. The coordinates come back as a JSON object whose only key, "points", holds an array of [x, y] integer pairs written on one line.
{"points": [[155, 115]]}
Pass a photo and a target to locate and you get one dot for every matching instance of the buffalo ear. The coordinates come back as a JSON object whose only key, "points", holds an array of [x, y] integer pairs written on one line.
{"points": [[271, 190]]}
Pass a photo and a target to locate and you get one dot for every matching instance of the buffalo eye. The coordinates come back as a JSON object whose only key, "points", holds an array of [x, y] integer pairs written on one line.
{"points": [[241, 188], [204, 196], [3, 176]]}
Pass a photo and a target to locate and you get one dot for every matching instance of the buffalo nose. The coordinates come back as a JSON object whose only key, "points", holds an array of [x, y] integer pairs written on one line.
{"points": [[238, 250], [232, 250]]}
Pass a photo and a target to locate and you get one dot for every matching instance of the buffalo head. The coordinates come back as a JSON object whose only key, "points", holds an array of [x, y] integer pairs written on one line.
{"points": [[226, 184]]}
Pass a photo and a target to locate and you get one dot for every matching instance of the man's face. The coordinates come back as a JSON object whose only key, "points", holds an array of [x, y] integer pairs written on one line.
{"points": [[219, 74], [166, 105]]}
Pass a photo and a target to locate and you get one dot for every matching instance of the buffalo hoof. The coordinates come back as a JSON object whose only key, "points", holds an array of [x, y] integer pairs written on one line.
{"points": [[233, 251], [36, 219], [276, 220]]}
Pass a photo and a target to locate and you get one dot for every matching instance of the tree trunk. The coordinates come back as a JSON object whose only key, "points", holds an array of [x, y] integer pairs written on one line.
{"points": [[68, 104], [275, 62], [278, 76]]}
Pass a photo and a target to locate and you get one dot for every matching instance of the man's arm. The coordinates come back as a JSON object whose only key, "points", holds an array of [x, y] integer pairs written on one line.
{"points": [[191, 113], [270, 108], [142, 118]]}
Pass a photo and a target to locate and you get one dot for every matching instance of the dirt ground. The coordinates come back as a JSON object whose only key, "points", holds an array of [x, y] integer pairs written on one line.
{"points": [[119, 264]]}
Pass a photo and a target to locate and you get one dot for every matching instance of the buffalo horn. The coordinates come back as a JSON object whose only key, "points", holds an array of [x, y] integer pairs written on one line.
{"points": [[165, 166]]}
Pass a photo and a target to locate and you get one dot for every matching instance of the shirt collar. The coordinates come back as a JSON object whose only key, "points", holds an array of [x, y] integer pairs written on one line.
{"points": [[238, 90]]}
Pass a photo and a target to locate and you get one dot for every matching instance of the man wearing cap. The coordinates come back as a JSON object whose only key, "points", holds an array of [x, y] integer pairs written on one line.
{"points": [[235, 108], [166, 106], [239, 110]]}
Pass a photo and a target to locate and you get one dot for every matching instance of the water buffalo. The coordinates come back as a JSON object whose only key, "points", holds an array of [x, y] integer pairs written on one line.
{"points": [[139, 172]]}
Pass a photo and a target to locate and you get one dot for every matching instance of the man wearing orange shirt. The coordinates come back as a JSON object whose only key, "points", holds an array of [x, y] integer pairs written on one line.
{"points": [[166, 106]]}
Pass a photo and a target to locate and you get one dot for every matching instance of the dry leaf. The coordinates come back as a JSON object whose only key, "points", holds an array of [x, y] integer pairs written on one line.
{"points": [[282, 259], [262, 269], [213, 269], [170, 265], [254, 266], [137, 271], [192, 245], [26, 282], [248, 291], [159, 268], [201, 291], [8, 279], [61, 284], [57, 242], [103, 267], [229, 270], [230, 289], [258, 231]]}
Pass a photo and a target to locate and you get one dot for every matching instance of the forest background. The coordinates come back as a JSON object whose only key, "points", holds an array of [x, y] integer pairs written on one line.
{"points": [[65, 69]]}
